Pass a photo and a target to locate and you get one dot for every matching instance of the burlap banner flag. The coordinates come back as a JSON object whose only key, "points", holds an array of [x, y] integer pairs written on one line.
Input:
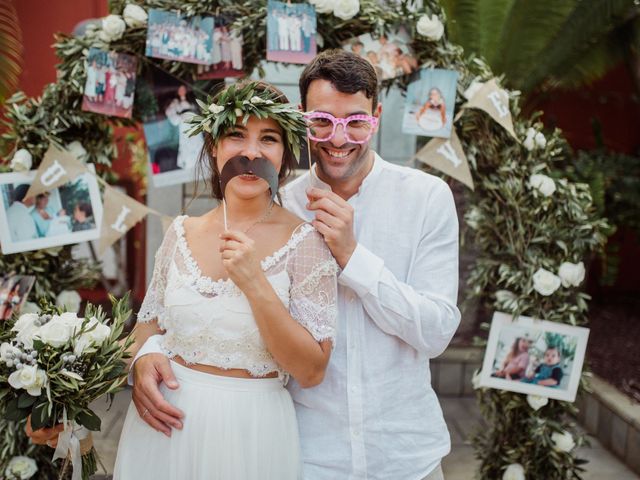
{"points": [[495, 101], [446, 155], [121, 213], [166, 222], [57, 168]]}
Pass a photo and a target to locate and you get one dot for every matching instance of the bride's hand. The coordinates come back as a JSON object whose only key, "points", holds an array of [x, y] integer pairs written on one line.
{"points": [[239, 258]]}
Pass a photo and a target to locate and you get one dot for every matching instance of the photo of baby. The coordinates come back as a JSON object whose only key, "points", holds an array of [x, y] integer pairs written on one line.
{"points": [[430, 103], [537, 357]]}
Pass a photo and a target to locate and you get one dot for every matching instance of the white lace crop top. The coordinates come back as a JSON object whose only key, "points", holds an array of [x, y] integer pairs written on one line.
{"points": [[211, 322]]}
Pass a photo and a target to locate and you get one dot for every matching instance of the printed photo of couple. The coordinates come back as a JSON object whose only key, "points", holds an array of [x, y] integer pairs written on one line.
{"points": [[291, 32], [172, 153], [111, 83], [68, 214], [226, 52], [14, 291], [536, 357], [430, 102], [389, 54], [173, 37]]}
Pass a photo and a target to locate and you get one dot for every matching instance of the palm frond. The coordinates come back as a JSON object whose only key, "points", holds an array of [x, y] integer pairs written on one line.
{"points": [[525, 35], [10, 49], [583, 36]]}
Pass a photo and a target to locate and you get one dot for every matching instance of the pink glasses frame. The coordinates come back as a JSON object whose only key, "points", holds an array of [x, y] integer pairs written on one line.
{"points": [[341, 121]]}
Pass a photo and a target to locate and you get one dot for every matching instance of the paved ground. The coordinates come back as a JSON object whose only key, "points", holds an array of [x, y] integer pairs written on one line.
{"points": [[461, 414]]}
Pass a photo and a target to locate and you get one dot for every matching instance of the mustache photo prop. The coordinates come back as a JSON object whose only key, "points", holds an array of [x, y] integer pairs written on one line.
{"points": [[241, 165]]}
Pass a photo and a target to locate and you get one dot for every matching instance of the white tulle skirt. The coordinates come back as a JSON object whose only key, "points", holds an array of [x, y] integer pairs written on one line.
{"points": [[234, 429]]}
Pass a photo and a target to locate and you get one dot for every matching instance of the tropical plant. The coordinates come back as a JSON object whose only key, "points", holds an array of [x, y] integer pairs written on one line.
{"points": [[10, 49], [548, 43]]}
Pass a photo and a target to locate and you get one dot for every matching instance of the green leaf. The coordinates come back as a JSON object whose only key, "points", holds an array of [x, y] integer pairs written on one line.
{"points": [[89, 419]]}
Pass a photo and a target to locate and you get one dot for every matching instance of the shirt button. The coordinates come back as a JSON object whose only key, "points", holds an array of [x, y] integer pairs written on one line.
{"points": [[356, 433], [354, 389]]}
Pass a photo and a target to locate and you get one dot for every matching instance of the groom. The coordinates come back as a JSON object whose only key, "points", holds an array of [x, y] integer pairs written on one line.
{"points": [[394, 232]]}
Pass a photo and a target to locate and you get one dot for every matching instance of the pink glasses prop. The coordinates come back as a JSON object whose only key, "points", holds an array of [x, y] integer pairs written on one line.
{"points": [[321, 127]]}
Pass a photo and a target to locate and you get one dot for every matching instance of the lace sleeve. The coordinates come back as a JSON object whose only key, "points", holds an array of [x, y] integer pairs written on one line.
{"points": [[153, 304], [314, 287]]}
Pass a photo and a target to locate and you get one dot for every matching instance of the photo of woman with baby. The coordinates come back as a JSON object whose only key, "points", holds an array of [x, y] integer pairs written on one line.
{"points": [[14, 291], [64, 215], [541, 358]]}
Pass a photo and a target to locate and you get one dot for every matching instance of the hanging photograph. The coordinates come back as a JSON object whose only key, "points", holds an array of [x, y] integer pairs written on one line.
{"points": [[173, 37], [111, 83], [172, 153], [291, 32], [14, 291], [390, 55], [226, 52], [65, 215], [429, 105], [532, 356]]}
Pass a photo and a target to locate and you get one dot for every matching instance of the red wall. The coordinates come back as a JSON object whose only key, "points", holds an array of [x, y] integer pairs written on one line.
{"points": [[39, 20]]}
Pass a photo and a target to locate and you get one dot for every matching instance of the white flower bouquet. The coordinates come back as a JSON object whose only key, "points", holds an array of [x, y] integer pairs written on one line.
{"points": [[54, 364]]}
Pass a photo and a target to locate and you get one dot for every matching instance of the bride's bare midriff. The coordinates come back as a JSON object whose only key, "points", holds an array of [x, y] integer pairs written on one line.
{"points": [[210, 369]]}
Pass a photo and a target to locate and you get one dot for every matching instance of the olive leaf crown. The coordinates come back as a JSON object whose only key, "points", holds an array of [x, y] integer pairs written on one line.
{"points": [[243, 101]]}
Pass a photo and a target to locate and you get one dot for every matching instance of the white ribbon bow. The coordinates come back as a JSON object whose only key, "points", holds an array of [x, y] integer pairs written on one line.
{"points": [[69, 445]]}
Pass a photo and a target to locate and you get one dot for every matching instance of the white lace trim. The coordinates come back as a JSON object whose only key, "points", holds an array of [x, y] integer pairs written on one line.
{"points": [[312, 281], [243, 352], [226, 286]]}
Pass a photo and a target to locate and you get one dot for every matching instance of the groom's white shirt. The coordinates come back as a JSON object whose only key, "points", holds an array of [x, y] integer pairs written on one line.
{"points": [[375, 416]]}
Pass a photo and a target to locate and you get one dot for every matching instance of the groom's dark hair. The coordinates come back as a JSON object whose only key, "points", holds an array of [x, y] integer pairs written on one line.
{"points": [[347, 72]]}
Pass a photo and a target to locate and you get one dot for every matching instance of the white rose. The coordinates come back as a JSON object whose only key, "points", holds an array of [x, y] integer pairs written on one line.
{"points": [[26, 320], [95, 335], [113, 27], [69, 300], [545, 282], [432, 28], [472, 89], [536, 401], [21, 467], [55, 332], [346, 9], [529, 143], [76, 149], [26, 329], [134, 15], [213, 108], [29, 377], [323, 6], [515, 471], [30, 307], [543, 184], [21, 161], [571, 274], [563, 442], [540, 139]]}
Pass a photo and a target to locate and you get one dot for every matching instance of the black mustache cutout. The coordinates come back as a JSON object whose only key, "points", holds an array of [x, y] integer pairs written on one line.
{"points": [[240, 165]]}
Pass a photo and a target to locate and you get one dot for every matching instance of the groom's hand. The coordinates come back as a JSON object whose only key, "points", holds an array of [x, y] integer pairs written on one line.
{"points": [[148, 372], [334, 220]]}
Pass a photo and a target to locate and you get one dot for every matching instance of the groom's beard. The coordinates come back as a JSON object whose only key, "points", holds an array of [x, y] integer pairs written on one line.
{"points": [[241, 165]]}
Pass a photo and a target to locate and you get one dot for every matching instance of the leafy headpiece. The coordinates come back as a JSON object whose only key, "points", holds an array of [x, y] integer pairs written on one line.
{"points": [[245, 100]]}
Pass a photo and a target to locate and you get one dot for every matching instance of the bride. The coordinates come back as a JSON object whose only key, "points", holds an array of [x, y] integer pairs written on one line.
{"points": [[241, 298]]}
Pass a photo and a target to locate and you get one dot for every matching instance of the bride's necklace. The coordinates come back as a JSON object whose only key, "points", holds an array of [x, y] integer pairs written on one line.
{"points": [[264, 216]]}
